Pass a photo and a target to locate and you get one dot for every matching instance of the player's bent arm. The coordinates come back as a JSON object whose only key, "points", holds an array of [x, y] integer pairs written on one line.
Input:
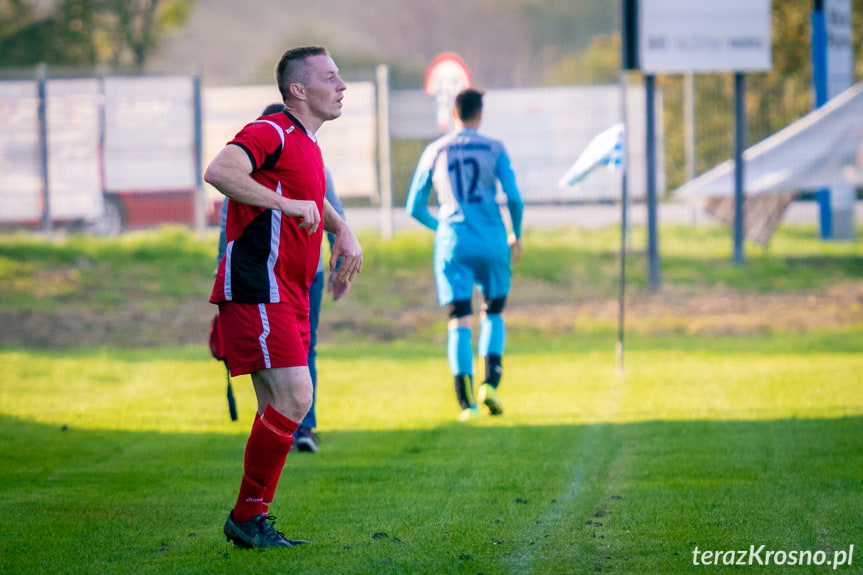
{"points": [[515, 247], [336, 202], [345, 245], [333, 198], [516, 212], [332, 218], [230, 173], [506, 176], [417, 202], [516, 209]]}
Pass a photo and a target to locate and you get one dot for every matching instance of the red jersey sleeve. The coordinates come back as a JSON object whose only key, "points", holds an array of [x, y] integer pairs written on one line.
{"points": [[262, 140]]}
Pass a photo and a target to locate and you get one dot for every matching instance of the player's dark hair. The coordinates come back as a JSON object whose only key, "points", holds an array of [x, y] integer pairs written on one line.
{"points": [[292, 68], [468, 103], [273, 108]]}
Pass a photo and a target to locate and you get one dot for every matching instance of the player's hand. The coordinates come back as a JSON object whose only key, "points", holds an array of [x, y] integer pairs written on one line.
{"points": [[515, 247], [347, 246], [305, 210], [337, 288]]}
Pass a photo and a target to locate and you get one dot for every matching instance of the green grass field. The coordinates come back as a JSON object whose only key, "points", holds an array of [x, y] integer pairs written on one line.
{"points": [[125, 461]]}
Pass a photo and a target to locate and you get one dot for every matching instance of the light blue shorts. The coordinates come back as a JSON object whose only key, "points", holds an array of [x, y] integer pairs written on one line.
{"points": [[456, 276]]}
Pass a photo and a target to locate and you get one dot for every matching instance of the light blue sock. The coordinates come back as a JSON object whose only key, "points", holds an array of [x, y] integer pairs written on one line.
{"points": [[459, 351], [492, 335]]}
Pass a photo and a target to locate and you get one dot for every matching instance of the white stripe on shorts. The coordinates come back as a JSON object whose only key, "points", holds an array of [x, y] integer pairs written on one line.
{"points": [[265, 321]]}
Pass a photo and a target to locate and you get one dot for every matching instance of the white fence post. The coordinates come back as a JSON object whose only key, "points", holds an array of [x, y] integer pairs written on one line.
{"points": [[385, 182]]}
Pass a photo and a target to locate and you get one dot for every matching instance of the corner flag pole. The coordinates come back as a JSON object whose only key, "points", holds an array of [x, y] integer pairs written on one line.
{"points": [[629, 60], [609, 149], [624, 151]]}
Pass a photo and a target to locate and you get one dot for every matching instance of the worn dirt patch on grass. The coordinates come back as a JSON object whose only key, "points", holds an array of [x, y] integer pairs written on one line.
{"points": [[714, 312]]}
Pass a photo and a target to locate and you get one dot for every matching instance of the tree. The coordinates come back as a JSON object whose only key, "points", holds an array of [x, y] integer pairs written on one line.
{"points": [[599, 64], [31, 36], [86, 32]]}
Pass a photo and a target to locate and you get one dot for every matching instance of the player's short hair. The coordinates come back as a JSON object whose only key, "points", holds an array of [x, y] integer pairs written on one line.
{"points": [[468, 103], [293, 69]]}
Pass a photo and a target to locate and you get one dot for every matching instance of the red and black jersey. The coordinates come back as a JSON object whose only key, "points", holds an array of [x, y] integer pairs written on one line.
{"points": [[268, 258]]}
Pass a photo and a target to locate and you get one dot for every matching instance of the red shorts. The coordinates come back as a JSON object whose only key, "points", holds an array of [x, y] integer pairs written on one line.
{"points": [[264, 335]]}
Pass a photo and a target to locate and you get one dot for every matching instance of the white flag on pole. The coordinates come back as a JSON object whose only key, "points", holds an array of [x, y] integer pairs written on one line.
{"points": [[606, 149]]}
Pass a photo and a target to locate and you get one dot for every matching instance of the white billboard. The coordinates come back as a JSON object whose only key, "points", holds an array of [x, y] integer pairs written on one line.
{"points": [[149, 134], [840, 49], [74, 166], [682, 36], [74, 170], [20, 157]]}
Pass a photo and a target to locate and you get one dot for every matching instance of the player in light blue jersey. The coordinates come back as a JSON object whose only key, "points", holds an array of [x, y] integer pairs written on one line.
{"points": [[472, 245]]}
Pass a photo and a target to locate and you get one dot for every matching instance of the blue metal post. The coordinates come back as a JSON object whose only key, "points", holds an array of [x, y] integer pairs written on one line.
{"points": [[652, 236], [739, 146], [819, 80]]}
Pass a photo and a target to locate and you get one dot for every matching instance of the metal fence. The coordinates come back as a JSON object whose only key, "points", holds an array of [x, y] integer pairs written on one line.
{"points": [[71, 149], [118, 146]]}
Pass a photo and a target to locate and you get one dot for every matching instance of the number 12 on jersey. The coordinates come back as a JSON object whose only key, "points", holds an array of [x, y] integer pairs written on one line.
{"points": [[465, 173]]}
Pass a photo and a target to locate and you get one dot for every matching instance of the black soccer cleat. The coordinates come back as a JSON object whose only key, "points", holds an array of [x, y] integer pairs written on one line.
{"points": [[257, 533], [306, 441]]}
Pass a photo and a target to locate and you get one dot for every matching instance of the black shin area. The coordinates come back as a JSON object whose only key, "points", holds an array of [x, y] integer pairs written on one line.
{"points": [[496, 305], [464, 390], [493, 370], [459, 309]]}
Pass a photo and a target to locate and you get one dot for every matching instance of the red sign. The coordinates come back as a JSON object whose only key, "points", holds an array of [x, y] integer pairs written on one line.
{"points": [[447, 72], [446, 76]]}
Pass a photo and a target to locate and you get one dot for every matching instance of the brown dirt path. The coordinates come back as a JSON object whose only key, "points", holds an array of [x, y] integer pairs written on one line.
{"points": [[715, 312]]}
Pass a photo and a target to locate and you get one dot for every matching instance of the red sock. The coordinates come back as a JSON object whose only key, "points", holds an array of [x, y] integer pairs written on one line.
{"points": [[268, 446], [273, 482], [270, 490], [284, 426]]}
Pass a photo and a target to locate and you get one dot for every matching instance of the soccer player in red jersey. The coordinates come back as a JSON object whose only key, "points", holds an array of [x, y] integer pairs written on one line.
{"points": [[273, 176]]}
